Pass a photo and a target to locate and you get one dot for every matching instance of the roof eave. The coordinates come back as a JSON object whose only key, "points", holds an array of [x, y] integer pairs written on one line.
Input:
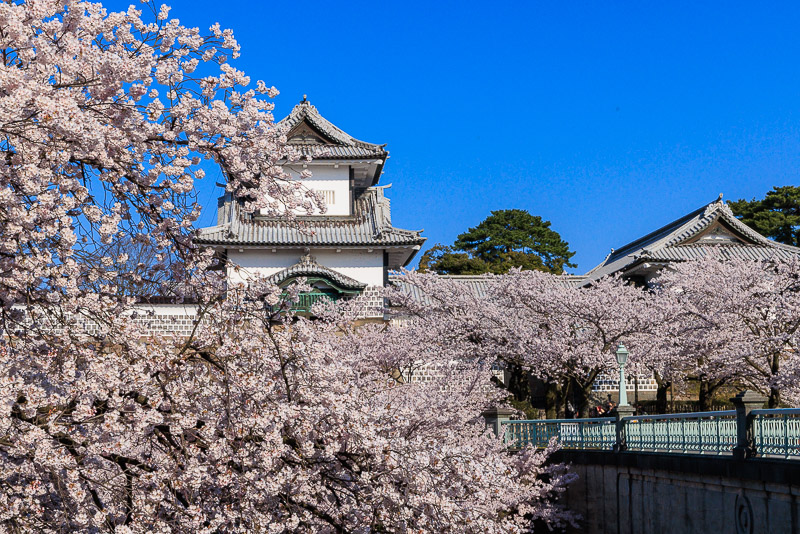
{"points": [[414, 251], [378, 171], [414, 242], [677, 223]]}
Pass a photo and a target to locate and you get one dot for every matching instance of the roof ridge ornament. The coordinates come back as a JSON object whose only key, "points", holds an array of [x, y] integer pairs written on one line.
{"points": [[305, 111], [714, 206], [307, 258]]}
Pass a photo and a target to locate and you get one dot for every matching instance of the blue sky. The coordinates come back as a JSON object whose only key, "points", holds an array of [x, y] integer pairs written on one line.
{"points": [[608, 119]]}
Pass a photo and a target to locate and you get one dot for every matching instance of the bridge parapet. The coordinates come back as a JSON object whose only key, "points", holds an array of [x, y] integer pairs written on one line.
{"points": [[777, 432], [636, 492], [744, 433], [722, 471]]}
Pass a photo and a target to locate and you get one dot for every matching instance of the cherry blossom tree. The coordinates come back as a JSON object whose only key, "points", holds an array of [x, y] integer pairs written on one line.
{"points": [[105, 120], [721, 321], [560, 333], [658, 352], [262, 423], [257, 421], [736, 322], [585, 325]]}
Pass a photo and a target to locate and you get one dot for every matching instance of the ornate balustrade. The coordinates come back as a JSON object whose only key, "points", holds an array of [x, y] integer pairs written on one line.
{"points": [[777, 432], [743, 433], [697, 433], [570, 433]]}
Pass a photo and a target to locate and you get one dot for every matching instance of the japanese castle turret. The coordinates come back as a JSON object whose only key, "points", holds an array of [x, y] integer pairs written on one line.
{"points": [[345, 252]]}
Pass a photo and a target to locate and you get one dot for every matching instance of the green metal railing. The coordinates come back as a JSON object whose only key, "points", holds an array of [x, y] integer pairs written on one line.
{"points": [[777, 432], [598, 434], [767, 433], [307, 300], [697, 433], [746, 432]]}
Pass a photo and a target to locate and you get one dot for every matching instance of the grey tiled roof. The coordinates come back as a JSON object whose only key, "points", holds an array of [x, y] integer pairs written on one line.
{"points": [[338, 152], [571, 280], [696, 252], [677, 242], [308, 266], [478, 284], [344, 145], [370, 225]]}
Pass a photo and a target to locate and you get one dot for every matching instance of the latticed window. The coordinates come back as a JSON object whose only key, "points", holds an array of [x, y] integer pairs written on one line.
{"points": [[322, 289], [308, 299], [328, 195]]}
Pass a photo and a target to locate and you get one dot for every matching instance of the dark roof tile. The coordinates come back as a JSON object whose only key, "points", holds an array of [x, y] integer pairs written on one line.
{"points": [[370, 225], [673, 242]]}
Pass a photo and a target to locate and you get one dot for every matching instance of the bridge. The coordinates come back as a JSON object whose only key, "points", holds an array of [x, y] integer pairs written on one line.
{"points": [[732, 471]]}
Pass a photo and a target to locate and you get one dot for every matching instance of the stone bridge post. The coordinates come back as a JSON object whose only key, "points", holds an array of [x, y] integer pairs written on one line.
{"points": [[745, 402], [495, 416], [620, 412]]}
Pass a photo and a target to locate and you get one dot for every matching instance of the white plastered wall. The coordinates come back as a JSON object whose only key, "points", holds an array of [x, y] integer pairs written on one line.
{"points": [[332, 181], [366, 267]]}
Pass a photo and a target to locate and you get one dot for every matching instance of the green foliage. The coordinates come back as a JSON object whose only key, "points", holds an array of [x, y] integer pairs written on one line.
{"points": [[504, 240], [527, 408], [444, 260], [777, 216]]}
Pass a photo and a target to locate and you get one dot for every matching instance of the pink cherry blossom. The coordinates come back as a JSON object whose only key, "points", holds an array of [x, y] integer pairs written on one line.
{"points": [[245, 418], [734, 322]]}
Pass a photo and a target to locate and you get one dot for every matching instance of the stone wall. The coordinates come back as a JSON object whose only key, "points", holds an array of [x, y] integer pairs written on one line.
{"points": [[645, 493], [374, 303]]}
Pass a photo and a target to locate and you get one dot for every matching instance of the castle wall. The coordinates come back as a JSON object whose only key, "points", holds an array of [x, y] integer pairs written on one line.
{"points": [[333, 183], [366, 267]]}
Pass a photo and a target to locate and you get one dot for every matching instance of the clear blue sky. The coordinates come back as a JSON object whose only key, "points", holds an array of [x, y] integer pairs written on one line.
{"points": [[608, 119]]}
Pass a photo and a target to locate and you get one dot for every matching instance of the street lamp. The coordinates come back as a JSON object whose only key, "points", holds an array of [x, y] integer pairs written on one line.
{"points": [[622, 359]]}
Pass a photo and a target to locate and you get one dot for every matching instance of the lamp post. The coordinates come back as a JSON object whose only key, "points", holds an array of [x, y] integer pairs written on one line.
{"points": [[622, 359], [623, 410]]}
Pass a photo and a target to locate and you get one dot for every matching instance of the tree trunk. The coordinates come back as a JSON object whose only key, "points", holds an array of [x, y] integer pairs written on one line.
{"points": [[705, 395], [661, 393], [584, 396], [519, 383], [774, 398], [563, 390], [708, 389], [774, 393], [661, 396], [552, 399], [672, 397]]}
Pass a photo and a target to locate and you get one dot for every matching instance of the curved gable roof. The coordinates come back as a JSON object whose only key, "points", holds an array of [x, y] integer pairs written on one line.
{"points": [[681, 240], [340, 144], [308, 267]]}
